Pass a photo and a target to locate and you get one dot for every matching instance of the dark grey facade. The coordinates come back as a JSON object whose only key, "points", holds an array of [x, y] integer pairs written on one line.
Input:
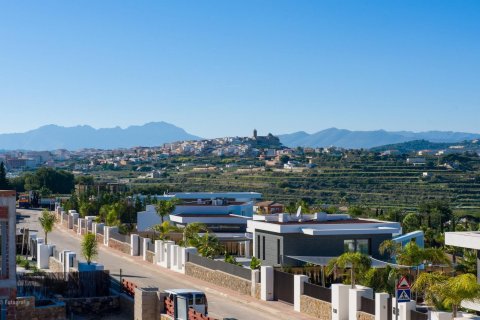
{"points": [[273, 249]]}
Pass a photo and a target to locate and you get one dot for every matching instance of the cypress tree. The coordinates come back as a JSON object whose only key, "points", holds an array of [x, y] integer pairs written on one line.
{"points": [[4, 184]]}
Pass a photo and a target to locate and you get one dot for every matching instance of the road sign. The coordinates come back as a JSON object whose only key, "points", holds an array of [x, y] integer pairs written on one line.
{"points": [[403, 295], [403, 284]]}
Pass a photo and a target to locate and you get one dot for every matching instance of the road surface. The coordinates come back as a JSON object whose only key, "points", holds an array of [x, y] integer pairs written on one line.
{"points": [[223, 303]]}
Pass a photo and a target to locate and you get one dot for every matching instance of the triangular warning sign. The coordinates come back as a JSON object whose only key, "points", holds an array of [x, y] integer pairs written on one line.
{"points": [[403, 295], [403, 283]]}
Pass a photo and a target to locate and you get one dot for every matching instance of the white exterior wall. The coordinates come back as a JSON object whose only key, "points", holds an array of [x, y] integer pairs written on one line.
{"points": [[340, 301], [266, 274], [381, 306], [298, 286]]}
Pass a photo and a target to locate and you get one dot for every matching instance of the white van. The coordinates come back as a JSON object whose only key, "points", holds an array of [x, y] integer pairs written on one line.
{"points": [[196, 299]]}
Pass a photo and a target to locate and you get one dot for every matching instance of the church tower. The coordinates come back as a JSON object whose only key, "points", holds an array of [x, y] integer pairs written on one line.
{"points": [[255, 134]]}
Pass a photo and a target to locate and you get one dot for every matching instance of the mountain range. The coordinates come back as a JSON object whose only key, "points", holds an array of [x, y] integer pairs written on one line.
{"points": [[368, 139], [51, 137]]}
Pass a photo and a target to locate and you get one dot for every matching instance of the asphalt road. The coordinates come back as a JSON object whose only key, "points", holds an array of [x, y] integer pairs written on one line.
{"points": [[223, 303]]}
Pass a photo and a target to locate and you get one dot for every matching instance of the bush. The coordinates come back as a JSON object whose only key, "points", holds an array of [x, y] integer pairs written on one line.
{"points": [[255, 263]]}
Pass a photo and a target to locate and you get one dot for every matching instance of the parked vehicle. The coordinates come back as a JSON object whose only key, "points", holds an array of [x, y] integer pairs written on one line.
{"points": [[24, 201], [197, 300]]}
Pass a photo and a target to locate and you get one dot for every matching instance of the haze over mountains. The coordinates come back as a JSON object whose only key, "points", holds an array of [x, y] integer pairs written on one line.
{"points": [[368, 139], [52, 137]]}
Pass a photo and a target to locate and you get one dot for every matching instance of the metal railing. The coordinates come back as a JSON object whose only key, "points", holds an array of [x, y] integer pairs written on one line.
{"points": [[367, 305], [119, 237], [415, 315], [151, 246], [317, 292], [221, 266], [68, 284]]}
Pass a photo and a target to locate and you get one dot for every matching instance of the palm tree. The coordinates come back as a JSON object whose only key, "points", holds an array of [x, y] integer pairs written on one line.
{"points": [[190, 233], [357, 262], [47, 221], [89, 247], [304, 205], [291, 208], [413, 256], [468, 263], [165, 208], [208, 246], [381, 279], [164, 229], [442, 291], [391, 247]]}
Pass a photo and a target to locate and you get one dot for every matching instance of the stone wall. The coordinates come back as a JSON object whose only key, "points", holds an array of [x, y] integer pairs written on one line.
{"points": [[25, 309], [364, 316], [316, 308], [95, 306], [150, 256], [118, 245], [219, 278], [258, 290], [99, 238], [54, 265], [127, 305]]}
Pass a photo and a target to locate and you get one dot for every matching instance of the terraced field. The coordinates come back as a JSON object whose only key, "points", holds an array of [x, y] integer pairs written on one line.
{"points": [[379, 184]]}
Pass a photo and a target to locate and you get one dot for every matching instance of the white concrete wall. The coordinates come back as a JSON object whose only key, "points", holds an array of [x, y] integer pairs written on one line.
{"points": [[146, 241], [340, 301], [80, 225], [70, 257], [134, 238], [165, 256], [381, 306], [355, 299], [266, 293], [44, 251], [298, 285], [440, 315]]}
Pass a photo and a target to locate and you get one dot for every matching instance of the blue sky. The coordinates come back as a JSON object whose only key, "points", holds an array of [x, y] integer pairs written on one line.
{"points": [[221, 68]]}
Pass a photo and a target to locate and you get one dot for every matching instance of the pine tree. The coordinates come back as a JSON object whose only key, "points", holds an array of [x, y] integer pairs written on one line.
{"points": [[4, 184]]}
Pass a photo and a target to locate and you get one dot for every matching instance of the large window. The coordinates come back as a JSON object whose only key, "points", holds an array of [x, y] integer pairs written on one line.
{"points": [[349, 246], [363, 246], [263, 248], [278, 251], [258, 247], [357, 245]]}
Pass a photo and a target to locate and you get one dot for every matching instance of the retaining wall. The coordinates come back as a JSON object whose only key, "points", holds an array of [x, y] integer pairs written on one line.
{"points": [[25, 309], [54, 265], [118, 245], [219, 278], [150, 256], [99, 237], [316, 308], [95, 306], [364, 316]]}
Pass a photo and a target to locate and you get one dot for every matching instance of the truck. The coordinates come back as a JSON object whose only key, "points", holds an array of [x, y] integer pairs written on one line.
{"points": [[24, 201]]}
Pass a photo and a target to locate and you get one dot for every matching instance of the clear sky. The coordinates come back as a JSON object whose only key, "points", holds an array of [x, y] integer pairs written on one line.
{"points": [[221, 68]]}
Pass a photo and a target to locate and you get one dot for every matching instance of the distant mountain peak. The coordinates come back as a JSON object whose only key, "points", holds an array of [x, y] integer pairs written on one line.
{"points": [[368, 139], [52, 136]]}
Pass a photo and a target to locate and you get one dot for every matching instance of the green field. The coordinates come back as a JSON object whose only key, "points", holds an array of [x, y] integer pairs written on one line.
{"points": [[379, 183]]}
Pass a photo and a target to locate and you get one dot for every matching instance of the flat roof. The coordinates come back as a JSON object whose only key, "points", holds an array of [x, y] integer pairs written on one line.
{"points": [[183, 291], [345, 221], [467, 239], [323, 261], [207, 215]]}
